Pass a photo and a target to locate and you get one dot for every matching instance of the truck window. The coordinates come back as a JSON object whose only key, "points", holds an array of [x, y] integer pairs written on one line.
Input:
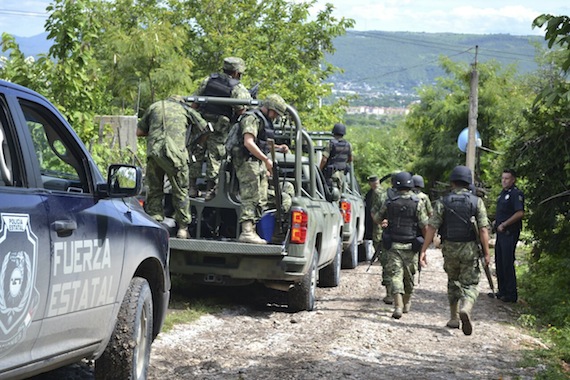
{"points": [[60, 164], [8, 173]]}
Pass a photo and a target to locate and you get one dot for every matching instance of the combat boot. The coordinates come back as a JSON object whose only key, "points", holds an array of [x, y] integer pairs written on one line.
{"points": [[192, 189], [454, 316], [465, 316], [210, 190], [248, 234], [398, 303], [407, 303], [182, 233], [389, 299]]}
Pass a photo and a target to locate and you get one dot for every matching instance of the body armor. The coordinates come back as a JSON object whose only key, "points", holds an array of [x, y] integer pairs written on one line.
{"points": [[459, 208]]}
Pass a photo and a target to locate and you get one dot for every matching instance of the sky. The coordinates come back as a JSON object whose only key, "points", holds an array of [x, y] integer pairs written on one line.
{"points": [[26, 18]]}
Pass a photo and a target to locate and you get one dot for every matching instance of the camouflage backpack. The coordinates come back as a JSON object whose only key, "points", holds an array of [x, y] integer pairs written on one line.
{"points": [[234, 141]]}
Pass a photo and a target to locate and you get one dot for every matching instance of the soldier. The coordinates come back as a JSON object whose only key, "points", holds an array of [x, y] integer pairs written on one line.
{"points": [[453, 216], [164, 124], [401, 216], [252, 163], [369, 225], [336, 157], [378, 199], [424, 198], [226, 84]]}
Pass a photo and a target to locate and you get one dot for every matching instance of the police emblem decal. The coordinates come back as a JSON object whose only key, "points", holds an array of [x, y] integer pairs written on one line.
{"points": [[19, 296]]}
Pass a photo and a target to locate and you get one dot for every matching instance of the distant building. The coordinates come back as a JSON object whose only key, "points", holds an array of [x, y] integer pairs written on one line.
{"points": [[377, 111]]}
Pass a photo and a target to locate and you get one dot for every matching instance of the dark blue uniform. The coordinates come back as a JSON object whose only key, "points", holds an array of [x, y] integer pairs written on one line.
{"points": [[509, 202]]}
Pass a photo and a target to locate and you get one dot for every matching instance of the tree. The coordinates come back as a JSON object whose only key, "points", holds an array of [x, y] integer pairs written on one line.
{"points": [[442, 114], [557, 33]]}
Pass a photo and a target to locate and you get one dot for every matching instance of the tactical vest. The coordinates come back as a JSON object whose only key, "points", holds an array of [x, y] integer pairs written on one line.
{"points": [[458, 210], [219, 86], [266, 131], [234, 142], [402, 218], [338, 158]]}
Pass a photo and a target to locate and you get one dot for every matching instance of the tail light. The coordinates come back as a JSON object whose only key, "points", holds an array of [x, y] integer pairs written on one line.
{"points": [[346, 209], [299, 222]]}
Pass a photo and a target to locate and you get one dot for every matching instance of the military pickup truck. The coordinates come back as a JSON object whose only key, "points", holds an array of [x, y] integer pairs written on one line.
{"points": [[83, 269], [352, 206], [305, 246]]}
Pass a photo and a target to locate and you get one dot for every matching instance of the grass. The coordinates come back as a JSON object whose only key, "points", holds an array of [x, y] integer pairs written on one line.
{"points": [[543, 286]]}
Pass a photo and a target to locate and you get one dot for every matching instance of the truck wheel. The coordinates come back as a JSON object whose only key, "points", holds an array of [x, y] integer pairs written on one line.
{"points": [[329, 276], [128, 352], [366, 251], [302, 294], [350, 255]]}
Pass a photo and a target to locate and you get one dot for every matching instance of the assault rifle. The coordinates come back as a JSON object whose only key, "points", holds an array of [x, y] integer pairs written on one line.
{"points": [[482, 255], [376, 255], [277, 188], [254, 90]]}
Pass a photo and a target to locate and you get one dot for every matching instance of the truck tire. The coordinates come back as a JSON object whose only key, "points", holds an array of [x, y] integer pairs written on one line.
{"points": [[128, 352], [366, 251], [302, 295], [350, 255], [329, 276]]}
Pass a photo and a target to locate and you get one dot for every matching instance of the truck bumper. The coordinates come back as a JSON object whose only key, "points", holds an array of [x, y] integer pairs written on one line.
{"points": [[231, 263]]}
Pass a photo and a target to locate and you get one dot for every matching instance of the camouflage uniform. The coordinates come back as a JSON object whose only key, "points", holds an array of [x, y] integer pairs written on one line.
{"points": [[379, 201], [461, 259], [251, 175], [287, 194], [213, 151], [165, 123], [425, 201], [402, 261]]}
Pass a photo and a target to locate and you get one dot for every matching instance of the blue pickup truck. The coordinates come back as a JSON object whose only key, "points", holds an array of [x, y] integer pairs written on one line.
{"points": [[83, 270]]}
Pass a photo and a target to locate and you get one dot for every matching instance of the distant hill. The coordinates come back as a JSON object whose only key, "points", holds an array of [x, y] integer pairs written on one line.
{"points": [[33, 46], [397, 62], [375, 61]]}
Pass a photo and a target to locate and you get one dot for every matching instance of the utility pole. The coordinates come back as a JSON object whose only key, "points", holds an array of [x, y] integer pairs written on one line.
{"points": [[473, 111]]}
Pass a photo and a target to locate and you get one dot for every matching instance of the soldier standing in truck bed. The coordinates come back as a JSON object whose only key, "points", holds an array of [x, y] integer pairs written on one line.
{"points": [[225, 84], [336, 157]]}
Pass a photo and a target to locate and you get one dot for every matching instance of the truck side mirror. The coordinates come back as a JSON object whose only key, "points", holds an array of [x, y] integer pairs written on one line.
{"points": [[124, 181]]}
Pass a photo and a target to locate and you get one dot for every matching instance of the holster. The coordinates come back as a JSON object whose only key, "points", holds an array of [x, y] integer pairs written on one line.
{"points": [[386, 240], [417, 244]]}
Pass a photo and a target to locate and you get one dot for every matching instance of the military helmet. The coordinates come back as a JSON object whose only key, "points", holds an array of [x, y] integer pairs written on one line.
{"points": [[276, 103], [461, 173], [403, 180], [339, 129], [418, 181], [234, 64]]}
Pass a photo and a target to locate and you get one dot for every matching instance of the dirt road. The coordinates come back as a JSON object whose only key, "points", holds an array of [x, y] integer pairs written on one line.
{"points": [[350, 335]]}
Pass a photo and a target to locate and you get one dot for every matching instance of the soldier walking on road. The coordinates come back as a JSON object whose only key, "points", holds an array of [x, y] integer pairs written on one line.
{"points": [[424, 198], [454, 215], [225, 84], [164, 124], [402, 215], [378, 198]]}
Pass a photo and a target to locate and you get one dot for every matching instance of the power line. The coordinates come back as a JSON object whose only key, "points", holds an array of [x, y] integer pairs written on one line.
{"points": [[443, 46], [22, 13]]}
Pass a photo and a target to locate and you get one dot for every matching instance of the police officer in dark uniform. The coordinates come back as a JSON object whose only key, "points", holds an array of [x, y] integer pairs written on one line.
{"points": [[336, 157], [508, 224]]}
